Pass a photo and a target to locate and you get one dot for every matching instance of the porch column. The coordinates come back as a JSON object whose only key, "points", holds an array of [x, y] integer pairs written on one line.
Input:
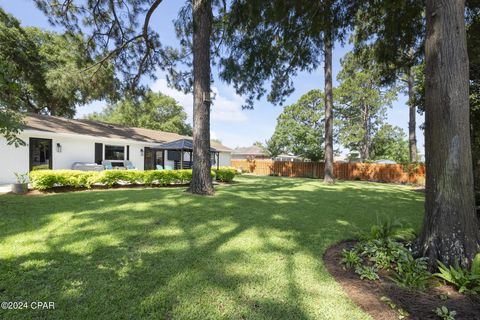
{"points": [[181, 160]]}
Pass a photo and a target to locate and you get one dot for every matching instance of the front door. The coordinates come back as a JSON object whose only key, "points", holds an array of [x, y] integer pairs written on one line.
{"points": [[148, 163], [40, 154]]}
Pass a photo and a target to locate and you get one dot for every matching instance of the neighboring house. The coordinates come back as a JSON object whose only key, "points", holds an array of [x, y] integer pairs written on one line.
{"points": [[287, 157], [256, 152], [58, 143], [253, 152]]}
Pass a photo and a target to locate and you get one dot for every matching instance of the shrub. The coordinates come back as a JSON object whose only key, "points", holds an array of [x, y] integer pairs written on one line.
{"points": [[366, 272], [47, 179], [166, 177], [350, 259], [115, 177], [382, 252], [466, 281], [225, 174], [382, 230], [411, 272], [444, 313]]}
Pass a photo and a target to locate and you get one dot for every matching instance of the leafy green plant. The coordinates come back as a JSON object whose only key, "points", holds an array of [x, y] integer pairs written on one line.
{"points": [[367, 272], [464, 280], [350, 259], [411, 272], [225, 174], [388, 229], [47, 179], [444, 313], [21, 178], [381, 252]]}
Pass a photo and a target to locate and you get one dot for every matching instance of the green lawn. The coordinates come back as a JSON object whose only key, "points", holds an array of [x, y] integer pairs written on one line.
{"points": [[253, 251]]}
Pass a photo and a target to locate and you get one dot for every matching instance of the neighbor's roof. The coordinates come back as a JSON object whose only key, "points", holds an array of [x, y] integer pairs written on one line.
{"points": [[104, 130], [182, 144], [252, 150]]}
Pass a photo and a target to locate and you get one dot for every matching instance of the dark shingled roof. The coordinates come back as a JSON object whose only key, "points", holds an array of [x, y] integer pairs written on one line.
{"points": [[181, 144], [105, 130]]}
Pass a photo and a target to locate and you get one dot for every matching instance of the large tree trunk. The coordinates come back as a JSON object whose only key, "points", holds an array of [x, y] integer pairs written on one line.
{"points": [[412, 136], [450, 228], [329, 177], [202, 28], [365, 150]]}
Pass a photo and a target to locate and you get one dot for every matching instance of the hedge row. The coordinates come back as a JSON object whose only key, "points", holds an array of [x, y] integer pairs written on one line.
{"points": [[225, 174], [47, 179]]}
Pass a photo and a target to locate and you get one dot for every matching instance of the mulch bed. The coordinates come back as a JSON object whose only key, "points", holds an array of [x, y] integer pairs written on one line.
{"points": [[420, 305]]}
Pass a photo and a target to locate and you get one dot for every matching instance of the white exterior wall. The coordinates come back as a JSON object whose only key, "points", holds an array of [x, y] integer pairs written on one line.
{"points": [[13, 160], [75, 148], [225, 159]]}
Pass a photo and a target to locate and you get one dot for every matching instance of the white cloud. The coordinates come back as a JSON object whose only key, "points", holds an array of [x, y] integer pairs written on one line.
{"points": [[213, 135], [224, 108]]}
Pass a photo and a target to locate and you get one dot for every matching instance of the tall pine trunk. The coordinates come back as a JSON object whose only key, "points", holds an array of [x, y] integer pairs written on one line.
{"points": [[202, 28], [450, 230], [329, 177], [412, 135], [365, 150]]}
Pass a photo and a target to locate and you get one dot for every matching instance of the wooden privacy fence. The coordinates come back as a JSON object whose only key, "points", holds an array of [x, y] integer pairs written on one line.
{"points": [[392, 173]]}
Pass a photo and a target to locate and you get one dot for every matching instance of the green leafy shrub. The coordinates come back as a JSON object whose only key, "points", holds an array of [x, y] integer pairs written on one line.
{"points": [[388, 229], [21, 177], [466, 281], [445, 314], [381, 252], [367, 272], [115, 177], [47, 179], [225, 174], [351, 259], [411, 272]]}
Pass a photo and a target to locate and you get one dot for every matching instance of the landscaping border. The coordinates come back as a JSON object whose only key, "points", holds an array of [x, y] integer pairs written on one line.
{"points": [[420, 305]]}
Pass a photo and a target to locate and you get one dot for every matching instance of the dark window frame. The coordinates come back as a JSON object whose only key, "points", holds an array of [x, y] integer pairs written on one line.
{"points": [[50, 153], [115, 146]]}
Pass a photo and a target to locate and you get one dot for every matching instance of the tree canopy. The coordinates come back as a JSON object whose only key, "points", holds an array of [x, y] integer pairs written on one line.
{"points": [[390, 142], [361, 102], [153, 111], [299, 128], [45, 72]]}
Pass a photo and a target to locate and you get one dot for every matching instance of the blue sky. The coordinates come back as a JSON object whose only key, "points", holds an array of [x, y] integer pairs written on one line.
{"points": [[229, 123]]}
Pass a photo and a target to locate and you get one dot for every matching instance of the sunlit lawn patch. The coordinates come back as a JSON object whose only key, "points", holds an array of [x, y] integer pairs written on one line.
{"points": [[253, 251]]}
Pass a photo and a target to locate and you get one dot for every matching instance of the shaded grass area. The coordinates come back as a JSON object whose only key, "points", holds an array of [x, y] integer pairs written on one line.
{"points": [[253, 251]]}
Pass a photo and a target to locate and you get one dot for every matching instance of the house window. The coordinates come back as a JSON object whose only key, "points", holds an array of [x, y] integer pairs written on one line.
{"points": [[114, 152]]}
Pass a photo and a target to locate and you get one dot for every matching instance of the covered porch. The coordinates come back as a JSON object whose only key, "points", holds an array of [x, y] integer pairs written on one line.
{"points": [[175, 155]]}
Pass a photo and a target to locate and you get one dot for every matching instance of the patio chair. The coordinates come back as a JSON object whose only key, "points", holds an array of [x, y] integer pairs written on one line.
{"points": [[107, 165], [129, 165], [159, 167]]}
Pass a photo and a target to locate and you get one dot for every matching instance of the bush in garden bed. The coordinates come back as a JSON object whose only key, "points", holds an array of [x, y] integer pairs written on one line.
{"points": [[225, 174], [166, 177], [387, 247], [47, 179]]}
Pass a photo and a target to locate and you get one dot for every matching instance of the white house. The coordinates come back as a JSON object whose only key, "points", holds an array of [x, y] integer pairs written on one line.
{"points": [[58, 143]]}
